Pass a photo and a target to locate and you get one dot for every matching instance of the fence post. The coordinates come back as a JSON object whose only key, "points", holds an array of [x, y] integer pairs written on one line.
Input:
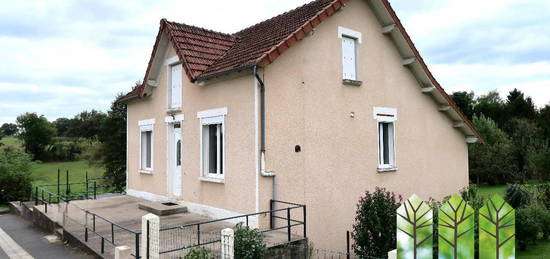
{"points": [[95, 190], [150, 228], [87, 189], [271, 223], [348, 255], [137, 246], [122, 252], [67, 191], [58, 182], [288, 222], [228, 239], [36, 196], [305, 222]]}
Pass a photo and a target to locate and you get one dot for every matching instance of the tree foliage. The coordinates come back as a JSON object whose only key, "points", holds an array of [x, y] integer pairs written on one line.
{"points": [[36, 132], [15, 177], [86, 124], [491, 162], [465, 101], [8, 129], [112, 135]]}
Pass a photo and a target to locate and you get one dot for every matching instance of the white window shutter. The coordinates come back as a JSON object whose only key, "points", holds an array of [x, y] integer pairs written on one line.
{"points": [[176, 80], [348, 58]]}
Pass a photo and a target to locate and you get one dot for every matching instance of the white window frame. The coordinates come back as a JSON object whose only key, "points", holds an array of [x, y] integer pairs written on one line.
{"points": [[345, 33], [170, 63], [209, 117], [386, 115], [144, 126]]}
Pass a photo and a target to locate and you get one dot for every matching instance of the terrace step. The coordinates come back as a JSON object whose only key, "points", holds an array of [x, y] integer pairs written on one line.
{"points": [[162, 208]]}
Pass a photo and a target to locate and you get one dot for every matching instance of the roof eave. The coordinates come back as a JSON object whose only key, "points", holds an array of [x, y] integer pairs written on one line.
{"points": [[391, 26]]}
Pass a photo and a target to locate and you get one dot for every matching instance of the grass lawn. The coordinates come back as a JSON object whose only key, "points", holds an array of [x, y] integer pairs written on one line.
{"points": [[541, 249], [46, 173], [11, 142], [489, 190]]}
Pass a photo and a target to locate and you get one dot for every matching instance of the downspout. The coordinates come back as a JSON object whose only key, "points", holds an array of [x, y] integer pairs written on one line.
{"points": [[263, 171]]}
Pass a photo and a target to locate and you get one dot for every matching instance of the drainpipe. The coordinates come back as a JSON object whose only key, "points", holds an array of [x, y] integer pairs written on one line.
{"points": [[263, 171]]}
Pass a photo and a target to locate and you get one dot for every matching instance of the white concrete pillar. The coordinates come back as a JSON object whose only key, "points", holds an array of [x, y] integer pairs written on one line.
{"points": [[150, 226], [228, 240], [392, 254], [123, 252]]}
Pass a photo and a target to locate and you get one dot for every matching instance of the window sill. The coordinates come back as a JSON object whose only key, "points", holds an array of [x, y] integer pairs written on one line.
{"points": [[211, 179], [387, 169], [352, 82], [144, 171], [173, 110]]}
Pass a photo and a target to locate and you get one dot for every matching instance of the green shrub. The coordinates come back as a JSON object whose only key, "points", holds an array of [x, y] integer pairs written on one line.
{"points": [[529, 224], [517, 196], [199, 253], [375, 224], [249, 243], [542, 194], [15, 179]]}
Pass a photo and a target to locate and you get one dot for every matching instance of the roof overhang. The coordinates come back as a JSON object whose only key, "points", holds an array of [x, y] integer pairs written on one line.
{"points": [[392, 27]]}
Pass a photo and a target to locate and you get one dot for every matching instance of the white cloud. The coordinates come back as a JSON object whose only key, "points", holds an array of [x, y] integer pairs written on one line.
{"points": [[61, 57]]}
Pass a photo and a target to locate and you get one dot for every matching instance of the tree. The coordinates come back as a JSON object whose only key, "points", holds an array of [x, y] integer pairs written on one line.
{"points": [[112, 135], [491, 106], [62, 125], [8, 129], [465, 101], [517, 106], [86, 124], [36, 132], [526, 139], [543, 121], [492, 162]]}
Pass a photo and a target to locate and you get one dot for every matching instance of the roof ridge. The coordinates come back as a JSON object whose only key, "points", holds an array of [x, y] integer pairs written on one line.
{"points": [[277, 16], [198, 27]]}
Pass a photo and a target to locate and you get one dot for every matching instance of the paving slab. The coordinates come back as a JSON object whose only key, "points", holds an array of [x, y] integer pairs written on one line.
{"points": [[124, 211], [33, 242]]}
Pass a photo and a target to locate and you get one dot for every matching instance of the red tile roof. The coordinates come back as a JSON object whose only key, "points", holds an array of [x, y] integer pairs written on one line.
{"points": [[205, 53]]}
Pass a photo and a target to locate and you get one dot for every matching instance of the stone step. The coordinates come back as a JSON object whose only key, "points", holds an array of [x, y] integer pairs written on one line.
{"points": [[162, 208]]}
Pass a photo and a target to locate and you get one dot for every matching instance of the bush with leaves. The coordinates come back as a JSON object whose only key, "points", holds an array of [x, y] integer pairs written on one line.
{"points": [[199, 253], [517, 196], [375, 224], [542, 194], [249, 243], [15, 177], [529, 220]]}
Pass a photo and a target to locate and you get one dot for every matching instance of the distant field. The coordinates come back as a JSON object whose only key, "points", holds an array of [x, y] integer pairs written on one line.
{"points": [[12, 142], [46, 173], [490, 190]]}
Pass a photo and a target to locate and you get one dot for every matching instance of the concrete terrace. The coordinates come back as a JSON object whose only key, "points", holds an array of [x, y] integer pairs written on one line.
{"points": [[124, 211]]}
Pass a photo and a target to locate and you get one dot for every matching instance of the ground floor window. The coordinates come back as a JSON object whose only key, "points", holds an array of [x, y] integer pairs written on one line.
{"points": [[386, 119], [213, 142], [146, 145]]}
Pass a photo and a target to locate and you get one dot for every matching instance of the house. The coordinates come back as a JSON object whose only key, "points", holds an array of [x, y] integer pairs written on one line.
{"points": [[313, 106]]}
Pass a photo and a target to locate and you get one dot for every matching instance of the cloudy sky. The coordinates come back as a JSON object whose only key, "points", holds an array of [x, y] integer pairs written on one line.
{"points": [[62, 57]]}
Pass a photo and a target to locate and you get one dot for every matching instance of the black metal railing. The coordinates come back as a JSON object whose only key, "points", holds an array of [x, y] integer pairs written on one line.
{"points": [[245, 219], [64, 191], [109, 238]]}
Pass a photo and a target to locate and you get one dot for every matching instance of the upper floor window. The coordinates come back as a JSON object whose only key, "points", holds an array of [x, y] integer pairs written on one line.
{"points": [[175, 93], [350, 40], [349, 58], [386, 118]]}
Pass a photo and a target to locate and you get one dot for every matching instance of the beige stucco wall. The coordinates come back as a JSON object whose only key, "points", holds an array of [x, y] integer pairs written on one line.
{"points": [[308, 105], [237, 95]]}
